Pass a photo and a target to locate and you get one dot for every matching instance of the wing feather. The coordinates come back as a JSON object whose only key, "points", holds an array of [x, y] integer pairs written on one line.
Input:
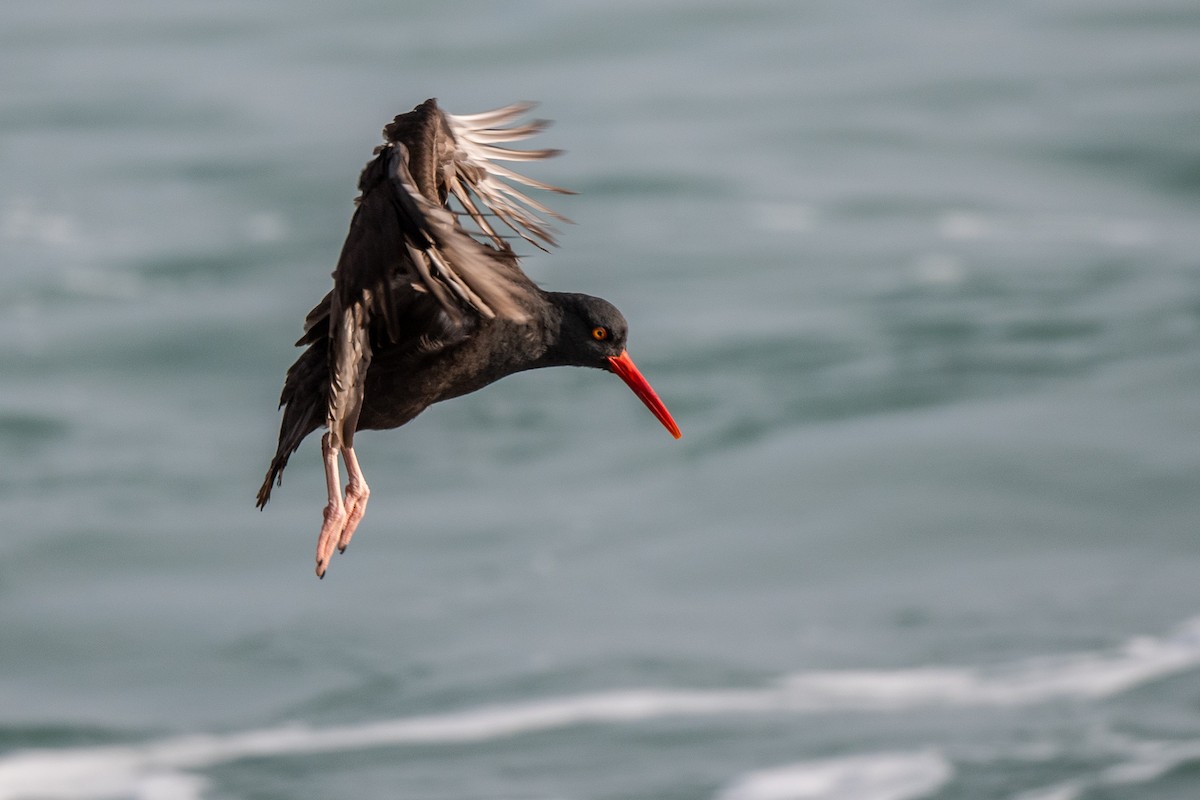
{"points": [[498, 116], [476, 172], [409, 272]]}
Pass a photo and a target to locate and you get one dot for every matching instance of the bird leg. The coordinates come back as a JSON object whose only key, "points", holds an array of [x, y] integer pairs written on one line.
{"points": [[341, 515], [335, 511], [357, 493]]}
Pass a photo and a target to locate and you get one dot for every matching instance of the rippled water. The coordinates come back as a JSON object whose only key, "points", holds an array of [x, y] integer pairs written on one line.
{"points": [[919, 282]]}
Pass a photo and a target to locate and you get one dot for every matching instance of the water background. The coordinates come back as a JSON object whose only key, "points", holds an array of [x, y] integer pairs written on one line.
{"points": [[919, 281]]}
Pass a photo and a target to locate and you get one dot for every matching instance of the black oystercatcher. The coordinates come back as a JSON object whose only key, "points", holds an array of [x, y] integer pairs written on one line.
{"points": [[428, 300]]}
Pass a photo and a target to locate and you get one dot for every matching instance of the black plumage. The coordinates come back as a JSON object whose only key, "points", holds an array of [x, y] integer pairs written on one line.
{"points": [[429, 301]]}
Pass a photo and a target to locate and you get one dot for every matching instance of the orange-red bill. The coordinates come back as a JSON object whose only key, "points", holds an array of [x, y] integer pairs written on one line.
{"points": [[625, 369]]}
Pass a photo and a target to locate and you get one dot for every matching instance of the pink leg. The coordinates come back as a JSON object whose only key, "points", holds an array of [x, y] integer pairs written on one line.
{"points": [[357, 493], [335, 511]]}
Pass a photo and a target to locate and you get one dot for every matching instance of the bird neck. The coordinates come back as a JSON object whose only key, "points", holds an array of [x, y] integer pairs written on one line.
{"points": [[550, 316]]}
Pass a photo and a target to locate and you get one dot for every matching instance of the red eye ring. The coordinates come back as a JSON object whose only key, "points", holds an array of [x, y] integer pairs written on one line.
{"points": [[599, 333]]}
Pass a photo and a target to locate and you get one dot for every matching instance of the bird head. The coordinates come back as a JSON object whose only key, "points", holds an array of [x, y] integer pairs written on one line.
{"points": [[593, 334]]}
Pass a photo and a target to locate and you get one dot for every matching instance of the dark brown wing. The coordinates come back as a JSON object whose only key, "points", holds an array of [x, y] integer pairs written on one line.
{"points": [[406, 243], [410, 269]]}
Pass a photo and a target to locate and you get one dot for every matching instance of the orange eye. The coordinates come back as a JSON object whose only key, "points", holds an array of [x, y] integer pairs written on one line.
{"points": [[600, 333]]}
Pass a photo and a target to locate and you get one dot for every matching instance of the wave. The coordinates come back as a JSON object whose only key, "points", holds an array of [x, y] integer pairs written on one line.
{"points": [[165, 769], [1079, 676], [1116, 232], [877, 776], [1142, 762]]}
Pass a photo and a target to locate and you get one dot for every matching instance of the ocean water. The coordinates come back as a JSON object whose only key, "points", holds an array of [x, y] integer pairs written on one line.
{"points": [[920, 283]]}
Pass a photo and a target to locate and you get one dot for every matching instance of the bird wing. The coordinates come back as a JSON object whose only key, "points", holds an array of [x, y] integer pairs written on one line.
{"points": [[476, 175], [410, 270]]}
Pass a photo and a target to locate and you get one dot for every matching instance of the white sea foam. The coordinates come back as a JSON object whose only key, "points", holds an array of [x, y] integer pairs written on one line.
{"points": [[1141, 762], [1082, 676], [879, 776], [165, 769]]}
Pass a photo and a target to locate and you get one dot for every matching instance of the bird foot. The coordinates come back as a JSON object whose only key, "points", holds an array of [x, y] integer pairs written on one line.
{"points": [[343, 513], [341, 520], [356, 506], [331, 532]]}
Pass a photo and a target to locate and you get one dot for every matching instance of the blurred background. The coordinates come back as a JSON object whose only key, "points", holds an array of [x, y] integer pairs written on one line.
{"points": [[919, 281]]}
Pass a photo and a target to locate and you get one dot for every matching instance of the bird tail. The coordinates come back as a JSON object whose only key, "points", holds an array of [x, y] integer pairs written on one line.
{"points": [[274, 477], [304, 409]]}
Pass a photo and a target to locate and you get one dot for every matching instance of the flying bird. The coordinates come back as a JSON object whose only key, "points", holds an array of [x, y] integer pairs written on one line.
{"points": [[429, 301]]}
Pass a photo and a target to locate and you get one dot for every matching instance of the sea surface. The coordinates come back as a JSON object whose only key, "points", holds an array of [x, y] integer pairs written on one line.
{"points": [[920, 282]]}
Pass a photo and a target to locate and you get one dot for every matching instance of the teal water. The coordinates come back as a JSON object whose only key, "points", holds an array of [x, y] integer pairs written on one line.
{"points": [[920, 283]]}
